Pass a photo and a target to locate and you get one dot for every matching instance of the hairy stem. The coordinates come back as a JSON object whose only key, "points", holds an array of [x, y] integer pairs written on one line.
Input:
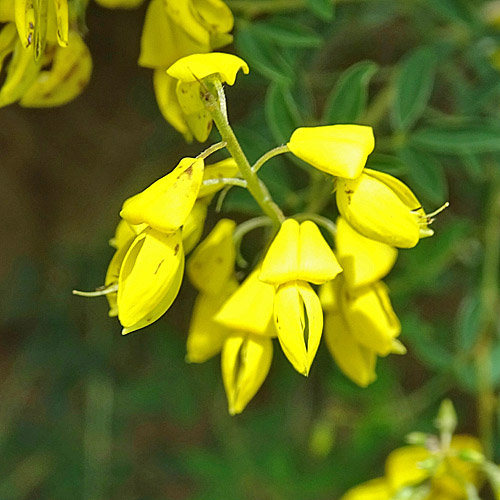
{"points": [[254, 185]]}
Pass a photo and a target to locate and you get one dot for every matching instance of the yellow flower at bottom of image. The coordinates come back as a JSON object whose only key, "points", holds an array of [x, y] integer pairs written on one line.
{"points": [[404, 471]]}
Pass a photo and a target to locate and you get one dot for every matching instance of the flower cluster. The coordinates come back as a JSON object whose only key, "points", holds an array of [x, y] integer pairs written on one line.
{"points": [[299, 285], [50, 63]]}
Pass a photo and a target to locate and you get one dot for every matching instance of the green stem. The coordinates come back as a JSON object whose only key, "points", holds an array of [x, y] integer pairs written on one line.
{"points": [[212, 149], [490, 301], [226, 181], [267, 156], [254, 185]]}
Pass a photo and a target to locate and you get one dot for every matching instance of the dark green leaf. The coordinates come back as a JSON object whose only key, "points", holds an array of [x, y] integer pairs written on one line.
{"points": [[323, 9], [386, 163], [426, 175], [264, 58], [413, 87], [454, 10], [473, 138], [287, 33], [468, 318], [347, 101], [282, 114]]}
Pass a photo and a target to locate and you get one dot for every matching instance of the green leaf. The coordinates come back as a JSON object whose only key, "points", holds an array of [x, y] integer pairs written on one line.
{"points": [[426, 175], [347, 101], [323, 9], [287, 33], [454, 10], [413, 87], [387, 163], [265, 58], [460, 139], [468, 318], [282, 114]]}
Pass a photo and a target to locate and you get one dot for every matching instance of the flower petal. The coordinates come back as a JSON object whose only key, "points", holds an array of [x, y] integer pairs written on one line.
{"points": [[150, 278], [376, 489], [194, 225], [299, 252], [298, 318], [355, 360], [245, 361], [198, 66], [250, 308], [339, 150], [166, 204], [66, 79], [371, 318], [212, 263], [364, 260], [206, 337], [166, 97], [372, 208]]}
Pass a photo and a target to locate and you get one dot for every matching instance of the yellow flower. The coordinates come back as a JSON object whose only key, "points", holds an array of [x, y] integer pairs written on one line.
{"points": [[52, 80], [298, 255], [69, 74], [212, 263], [207, 336], [298, 319], [149, 278], [177, 28], [41, 22], [363, 260], [167, 203], [403, 470], [189, 71], [211, 271], [245, 361], [193, 227], [195, 67], [359, 320], [174, 29], [339, 150], [382, 208], [250, 308], [299, 252], [123, 238]]}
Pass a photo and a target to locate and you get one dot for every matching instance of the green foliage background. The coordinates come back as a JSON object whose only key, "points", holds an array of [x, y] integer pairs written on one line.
{"points": [[86, 414]]}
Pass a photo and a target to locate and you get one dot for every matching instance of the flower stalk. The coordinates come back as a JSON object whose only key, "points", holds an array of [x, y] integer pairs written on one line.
{"points": [[255, 186]]}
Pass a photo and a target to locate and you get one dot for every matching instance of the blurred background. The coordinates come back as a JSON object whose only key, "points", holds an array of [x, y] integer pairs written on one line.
{"points": [[88, 414]]}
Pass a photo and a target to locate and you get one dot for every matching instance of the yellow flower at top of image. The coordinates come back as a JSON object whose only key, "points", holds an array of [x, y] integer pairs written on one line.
{"points": [[172, 30], [403, 470], [189, 73], [50, 64], [298, 255]]}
